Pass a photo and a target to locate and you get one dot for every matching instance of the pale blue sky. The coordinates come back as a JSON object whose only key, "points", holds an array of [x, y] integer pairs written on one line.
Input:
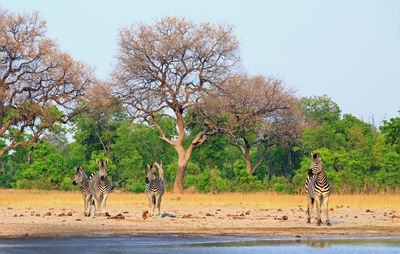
{"points": [[349, 50]]}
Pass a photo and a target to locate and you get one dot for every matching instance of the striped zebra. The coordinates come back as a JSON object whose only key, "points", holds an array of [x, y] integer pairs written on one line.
{"points": [[100, 186], [81, 177], [155, 188], [317, 188]]}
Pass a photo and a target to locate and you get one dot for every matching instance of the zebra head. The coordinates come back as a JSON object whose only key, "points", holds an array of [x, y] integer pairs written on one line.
{"points": [[102, 168], [317, 165], [79, 175], [151, 173]]}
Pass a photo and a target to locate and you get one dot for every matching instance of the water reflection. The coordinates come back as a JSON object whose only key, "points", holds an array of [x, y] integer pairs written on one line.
{"points": [[318, 243], [199, 245]]}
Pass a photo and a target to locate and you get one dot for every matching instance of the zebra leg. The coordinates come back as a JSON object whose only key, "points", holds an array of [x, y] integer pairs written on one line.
{"points": [[150, 203], [328, 222], [98, 206], [85, 204], [318, 205], [153, 202], [89, 202], [158, 204], [105, 204], [310, 204]]}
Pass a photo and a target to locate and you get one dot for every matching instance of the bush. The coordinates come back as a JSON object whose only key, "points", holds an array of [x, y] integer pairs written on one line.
{"points": [[138, 187], [245, 182], [66, 184]]}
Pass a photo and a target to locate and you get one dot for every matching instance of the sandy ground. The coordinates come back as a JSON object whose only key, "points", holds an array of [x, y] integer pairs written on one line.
{"points": [[202, 220]]}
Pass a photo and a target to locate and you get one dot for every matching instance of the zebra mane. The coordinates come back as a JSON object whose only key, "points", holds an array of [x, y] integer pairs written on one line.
{"points": [[92, 175], [84, 173]]}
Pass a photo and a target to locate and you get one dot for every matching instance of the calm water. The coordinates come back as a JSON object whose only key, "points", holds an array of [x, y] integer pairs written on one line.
{"points": [[197, 245]]}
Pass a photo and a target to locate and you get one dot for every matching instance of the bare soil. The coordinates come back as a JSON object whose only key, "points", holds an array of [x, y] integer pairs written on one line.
{"points": [[18, 221]]}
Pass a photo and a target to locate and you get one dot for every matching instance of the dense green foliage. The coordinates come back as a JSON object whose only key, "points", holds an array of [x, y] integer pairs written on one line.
{"points": [[358, 156]]}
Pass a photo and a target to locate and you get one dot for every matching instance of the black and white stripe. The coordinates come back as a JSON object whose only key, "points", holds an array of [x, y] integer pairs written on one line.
{"points": [[317, 188], [100, 186], [81, 177], [155, 189]]}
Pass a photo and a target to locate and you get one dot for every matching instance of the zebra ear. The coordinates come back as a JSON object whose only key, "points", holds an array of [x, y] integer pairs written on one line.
{"points": [[76, 169], [312, 155], [99, 163], [148, 166], [106, 162]]}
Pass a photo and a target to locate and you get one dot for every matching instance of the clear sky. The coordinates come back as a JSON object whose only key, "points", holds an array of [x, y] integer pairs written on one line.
{"points": [[349, 50]]}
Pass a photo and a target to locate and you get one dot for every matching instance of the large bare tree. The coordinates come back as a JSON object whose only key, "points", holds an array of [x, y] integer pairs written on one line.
{"points": [[253, 111], [39, 84], [165, 67]]}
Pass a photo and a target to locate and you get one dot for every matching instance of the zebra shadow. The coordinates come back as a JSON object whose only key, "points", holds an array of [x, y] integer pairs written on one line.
{"points": [[333, 222], [166, 215]]}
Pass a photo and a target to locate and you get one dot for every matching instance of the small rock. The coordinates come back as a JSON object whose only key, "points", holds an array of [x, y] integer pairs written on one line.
{"points": [[37, 215], [15, 215], [76, 220], [60, 215], [368, 211], [48, 214], [279, 210], [218, 210], [144, 215], [331, 209], [355, 217], [248, 213], [125, 212], [208, 214], [187, 216], [69, 213], [297, 236], [10, 208], [284, 217], [242, 214], [21, 215]]}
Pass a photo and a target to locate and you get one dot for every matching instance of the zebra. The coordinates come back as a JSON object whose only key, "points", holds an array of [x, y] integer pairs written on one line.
{"points": [[81, 177], [155, 188], [100, 186], [317, 188]]}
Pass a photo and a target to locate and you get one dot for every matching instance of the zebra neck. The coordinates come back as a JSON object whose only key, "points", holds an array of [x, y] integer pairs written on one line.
{"points": [[85, 183]]}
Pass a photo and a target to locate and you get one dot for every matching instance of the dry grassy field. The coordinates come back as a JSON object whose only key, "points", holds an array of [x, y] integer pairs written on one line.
{"points": [[35, 198], [60, 214]]}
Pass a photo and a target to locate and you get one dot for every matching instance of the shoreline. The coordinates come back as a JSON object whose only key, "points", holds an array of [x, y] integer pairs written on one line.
{"points": [[273, 234]]}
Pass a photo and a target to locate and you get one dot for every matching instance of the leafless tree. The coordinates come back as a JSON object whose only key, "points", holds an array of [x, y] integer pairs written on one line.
{"points": [[252, 111], [164, 68], [39, 85]]}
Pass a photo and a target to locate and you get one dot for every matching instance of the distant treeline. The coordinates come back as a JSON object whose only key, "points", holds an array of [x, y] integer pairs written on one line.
{"points": [[358, 156]]}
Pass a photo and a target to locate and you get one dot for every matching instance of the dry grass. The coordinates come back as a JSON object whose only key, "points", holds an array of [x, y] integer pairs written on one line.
{"points": [[33, 198]]}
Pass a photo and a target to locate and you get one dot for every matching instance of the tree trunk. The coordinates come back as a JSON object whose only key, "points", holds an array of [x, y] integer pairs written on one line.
{"points": [[269, 167], [291, 164], [180, 173]]}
